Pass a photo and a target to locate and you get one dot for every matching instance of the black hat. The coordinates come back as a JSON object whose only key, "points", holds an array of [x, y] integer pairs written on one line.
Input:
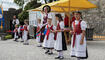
{"points": [[48, 8], [79, 12]]}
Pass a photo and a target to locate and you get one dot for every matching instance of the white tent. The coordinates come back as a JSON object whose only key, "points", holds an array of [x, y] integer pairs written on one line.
{"points": [[6, 4]]}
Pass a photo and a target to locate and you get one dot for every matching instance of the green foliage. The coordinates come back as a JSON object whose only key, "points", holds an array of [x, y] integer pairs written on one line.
{"points": [[8, 37], [31, 5], [24, 14]]}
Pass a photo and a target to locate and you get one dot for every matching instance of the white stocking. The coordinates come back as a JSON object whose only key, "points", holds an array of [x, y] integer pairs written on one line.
{"points": [[61, 53]]}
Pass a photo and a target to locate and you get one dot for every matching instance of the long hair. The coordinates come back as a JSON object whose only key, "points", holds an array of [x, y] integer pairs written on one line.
{"points": [[59, 17]]}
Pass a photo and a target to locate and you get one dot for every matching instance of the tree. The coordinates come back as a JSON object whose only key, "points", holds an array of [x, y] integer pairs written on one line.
{"points": [[24, 14]]}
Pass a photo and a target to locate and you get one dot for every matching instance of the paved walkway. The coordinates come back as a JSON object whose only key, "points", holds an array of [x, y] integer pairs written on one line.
{"points": [[10, 50]]}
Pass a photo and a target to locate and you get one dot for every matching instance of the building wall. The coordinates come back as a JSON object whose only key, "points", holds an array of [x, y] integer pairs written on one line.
{"points": [[33, 18], [96, 17], [35, 15]]}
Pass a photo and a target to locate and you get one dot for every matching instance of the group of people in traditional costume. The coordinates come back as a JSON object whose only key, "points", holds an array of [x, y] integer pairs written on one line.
{"points": [[21, 30], [52, 37]]}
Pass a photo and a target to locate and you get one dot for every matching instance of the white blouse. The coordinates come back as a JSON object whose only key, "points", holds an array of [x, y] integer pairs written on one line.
{"points": [[83, 24], [61, 24]]}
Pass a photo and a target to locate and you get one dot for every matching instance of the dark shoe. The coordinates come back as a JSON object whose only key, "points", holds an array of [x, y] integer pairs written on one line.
{"points": [[61, 57], [26, 44], [39, 46], [50, 53], [43, 48], [57, 57], [16, 40], [22, 41], [46, 51]]}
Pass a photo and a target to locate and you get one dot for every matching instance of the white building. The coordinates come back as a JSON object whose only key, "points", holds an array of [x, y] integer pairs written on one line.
{"points": [[35, 15]]}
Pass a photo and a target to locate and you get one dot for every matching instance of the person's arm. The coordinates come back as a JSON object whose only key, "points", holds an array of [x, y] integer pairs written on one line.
{"points": [[12, 21], [82, 38], [17, 21], [83, 28], [59, 30]]}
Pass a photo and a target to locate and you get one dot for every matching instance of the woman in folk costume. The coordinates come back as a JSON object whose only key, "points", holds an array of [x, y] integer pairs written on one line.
{"points": [[26, 33], [60, 43], [49, 37], [38, 32], [16, 33], [78, 45], [45, 16]]}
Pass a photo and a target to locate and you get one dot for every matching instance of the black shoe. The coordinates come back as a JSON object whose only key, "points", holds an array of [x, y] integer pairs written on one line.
{"points": [[26, 44], [39, 46], [50, 53], [57, 57], [61, 57], [46, 51], [22, 41], [43, 48], [16, 40]]}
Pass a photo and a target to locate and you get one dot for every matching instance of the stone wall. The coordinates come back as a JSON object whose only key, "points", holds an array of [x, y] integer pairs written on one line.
{"points": [[96, 17]]}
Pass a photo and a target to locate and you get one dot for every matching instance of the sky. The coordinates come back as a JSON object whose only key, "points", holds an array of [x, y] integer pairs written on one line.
{"points": [[6, 4]]}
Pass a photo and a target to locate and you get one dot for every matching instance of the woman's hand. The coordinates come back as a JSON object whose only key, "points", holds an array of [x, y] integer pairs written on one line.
{"points": [[52, 31], [42, 33], [71, 32], [66, 30], [82, 37], [59, 30], [81, 42]]}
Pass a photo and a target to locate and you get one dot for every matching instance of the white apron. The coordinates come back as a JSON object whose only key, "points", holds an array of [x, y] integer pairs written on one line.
{"points": [[25, 35], [50, 42], [58, 43]]}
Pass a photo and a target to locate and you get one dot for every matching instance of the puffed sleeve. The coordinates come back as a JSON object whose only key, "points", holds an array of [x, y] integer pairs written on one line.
{"points": [[28, 27], [50, 15], [13, 22], [62, 25], [17, 21], [83, 25]]}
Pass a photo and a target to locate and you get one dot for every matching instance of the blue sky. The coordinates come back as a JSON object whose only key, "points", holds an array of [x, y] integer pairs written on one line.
{"points": [[8, 4]]}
